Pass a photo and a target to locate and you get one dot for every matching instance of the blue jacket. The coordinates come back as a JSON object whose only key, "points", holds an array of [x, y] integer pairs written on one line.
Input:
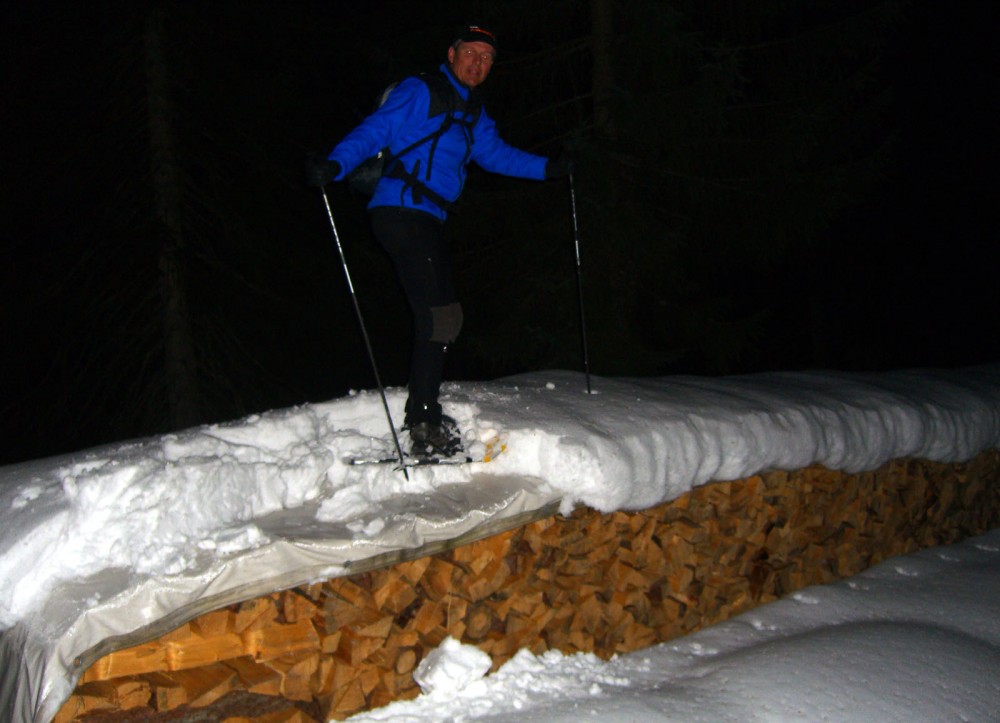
{"points": [[403, 119]]}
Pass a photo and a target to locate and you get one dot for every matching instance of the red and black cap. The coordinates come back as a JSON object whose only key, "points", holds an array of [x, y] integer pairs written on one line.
{"points": [[475, 34]]}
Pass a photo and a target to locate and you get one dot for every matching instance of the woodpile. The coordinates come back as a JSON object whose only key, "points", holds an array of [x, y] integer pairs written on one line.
{"points": [[604, 583]]}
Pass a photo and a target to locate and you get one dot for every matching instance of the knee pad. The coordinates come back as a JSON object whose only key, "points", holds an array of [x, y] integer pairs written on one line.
{"points": [[447, 323]]}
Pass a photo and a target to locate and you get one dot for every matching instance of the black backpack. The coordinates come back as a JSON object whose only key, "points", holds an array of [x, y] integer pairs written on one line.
{"points": [[364, 178], [444, 99]]}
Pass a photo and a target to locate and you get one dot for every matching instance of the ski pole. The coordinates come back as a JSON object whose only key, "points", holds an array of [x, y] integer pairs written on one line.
{"points": [[579, 282], [364, 333]]}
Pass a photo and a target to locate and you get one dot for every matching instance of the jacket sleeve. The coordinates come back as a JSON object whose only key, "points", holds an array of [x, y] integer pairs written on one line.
{"points": [[407, 102], [494, 155]]}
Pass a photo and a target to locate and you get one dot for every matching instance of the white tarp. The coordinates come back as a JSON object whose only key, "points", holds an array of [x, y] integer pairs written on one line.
{"points": [[85, 619]]}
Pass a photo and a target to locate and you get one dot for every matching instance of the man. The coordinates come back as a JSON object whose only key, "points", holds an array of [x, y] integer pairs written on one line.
{"points": [[433, 125]]}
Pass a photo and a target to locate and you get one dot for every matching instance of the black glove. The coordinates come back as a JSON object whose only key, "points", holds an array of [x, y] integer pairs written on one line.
{"points": [[320, 171], [560, 166]]}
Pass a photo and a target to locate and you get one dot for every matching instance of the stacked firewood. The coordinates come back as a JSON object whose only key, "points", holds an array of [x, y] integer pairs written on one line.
{"points": [[604, 583]]}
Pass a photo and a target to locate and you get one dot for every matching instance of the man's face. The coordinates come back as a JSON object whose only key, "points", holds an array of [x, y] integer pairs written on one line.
{"points": [[471, 62]]}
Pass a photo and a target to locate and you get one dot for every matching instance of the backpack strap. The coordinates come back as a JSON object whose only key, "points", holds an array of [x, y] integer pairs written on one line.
{"points": [[444, 99]]}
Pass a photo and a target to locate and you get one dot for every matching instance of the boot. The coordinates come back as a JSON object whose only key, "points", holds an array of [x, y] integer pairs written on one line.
{"points": [[429, 439]]}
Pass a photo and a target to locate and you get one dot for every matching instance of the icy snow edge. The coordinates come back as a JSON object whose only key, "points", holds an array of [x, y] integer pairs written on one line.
{"points": [[653, 440]]}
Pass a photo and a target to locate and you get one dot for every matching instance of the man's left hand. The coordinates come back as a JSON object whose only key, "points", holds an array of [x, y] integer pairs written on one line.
{"points": [[560, 166]]}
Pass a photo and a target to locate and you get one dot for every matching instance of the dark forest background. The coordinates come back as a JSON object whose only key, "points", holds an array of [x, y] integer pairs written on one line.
{"points": [[764, 185]]}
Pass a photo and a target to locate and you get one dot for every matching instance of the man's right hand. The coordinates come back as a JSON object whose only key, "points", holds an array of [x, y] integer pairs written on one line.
{"points": [[320, 171]]}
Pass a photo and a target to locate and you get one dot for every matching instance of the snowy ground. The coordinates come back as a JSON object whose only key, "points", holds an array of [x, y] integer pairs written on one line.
{"points": [[121, 541], [916, 638]]}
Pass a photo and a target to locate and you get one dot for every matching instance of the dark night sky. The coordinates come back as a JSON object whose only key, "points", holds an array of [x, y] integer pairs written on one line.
{"points": [[908, 276]]}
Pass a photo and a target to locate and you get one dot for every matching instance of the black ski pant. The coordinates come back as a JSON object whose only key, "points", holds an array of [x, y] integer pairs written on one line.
{"points": [[415, 242]]}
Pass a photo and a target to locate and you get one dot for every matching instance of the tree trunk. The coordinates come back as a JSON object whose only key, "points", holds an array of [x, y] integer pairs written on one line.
{"points": [[602, 22], [180, 363]]}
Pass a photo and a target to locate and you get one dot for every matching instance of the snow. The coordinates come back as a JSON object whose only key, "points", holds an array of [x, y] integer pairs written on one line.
{"points": [[916, 638], [111, 542]]}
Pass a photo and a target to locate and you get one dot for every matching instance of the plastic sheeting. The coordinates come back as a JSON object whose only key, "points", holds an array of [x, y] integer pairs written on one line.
{"points": [[42, 659]]}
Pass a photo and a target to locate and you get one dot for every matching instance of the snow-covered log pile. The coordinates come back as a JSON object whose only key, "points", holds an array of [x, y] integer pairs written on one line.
{"points": [[123, 546], [603, 582]]}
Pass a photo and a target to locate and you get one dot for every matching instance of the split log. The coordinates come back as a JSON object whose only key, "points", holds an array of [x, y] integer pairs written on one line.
{"points": [[256, 677]]}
